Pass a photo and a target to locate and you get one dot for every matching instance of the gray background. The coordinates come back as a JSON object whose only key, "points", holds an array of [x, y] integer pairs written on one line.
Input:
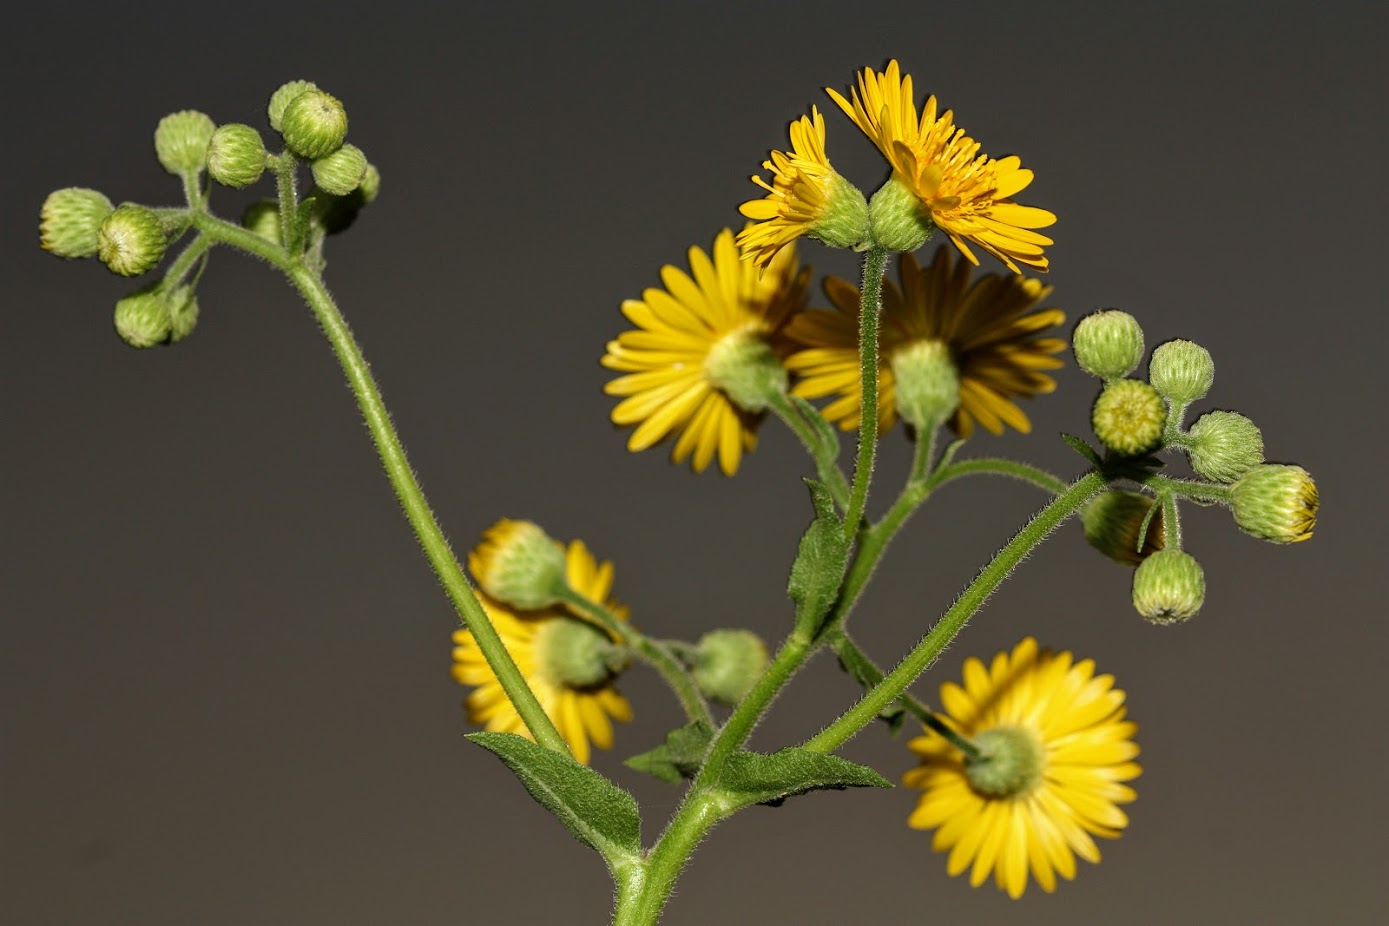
{"points": [[224, 671]]}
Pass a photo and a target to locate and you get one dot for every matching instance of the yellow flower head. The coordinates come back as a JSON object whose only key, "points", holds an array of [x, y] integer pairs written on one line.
{"points": [[990, 326], [806, 197], [1055, 751], [705, 350], [967, 193], [543, 644]]}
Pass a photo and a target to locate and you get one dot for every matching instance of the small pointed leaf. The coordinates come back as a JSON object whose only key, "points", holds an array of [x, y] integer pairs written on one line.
{"points": [[761, 778], [1082, 447], [819, 565], [680, 756], [597, 812]]}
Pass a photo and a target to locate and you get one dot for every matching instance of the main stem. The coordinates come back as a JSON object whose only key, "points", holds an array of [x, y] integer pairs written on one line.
{"points": [[973, 598], [407, 487], [870, 307]]}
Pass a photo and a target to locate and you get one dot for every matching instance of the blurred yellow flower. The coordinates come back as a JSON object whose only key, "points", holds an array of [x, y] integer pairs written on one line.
{"points": [[699, 347], [989, 326], [549, 646], [1055, 751], [966, 193]]}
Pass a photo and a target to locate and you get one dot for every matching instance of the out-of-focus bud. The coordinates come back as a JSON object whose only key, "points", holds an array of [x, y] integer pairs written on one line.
{"points": [[236, 155], [70, 221], [743, 365], [1112, 521], [183, 312], [314, 124], [281, 98], [1276, 502], [927, 383], [1108, 344], [1181, 370], [728, 663], [342, 171], [370, 187], [1128, 417], [181, 140], [263, 218], [142, 319], [518, 564], [898, 220], [1223, 446], [131, 240], [576, 653], [1169, 587]]}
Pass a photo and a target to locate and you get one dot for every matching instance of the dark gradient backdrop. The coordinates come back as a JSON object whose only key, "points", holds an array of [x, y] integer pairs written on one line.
{"points": [[224, 673]]}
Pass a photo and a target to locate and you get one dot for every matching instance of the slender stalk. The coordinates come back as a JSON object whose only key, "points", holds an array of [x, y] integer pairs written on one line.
{"points": [[870, 307], [867, 673], [1000, 467], [656, 654], [1204, 493], [286, 183], [182, 264], [945, 630], [826, 458], [1171, 521], [407, 487]]}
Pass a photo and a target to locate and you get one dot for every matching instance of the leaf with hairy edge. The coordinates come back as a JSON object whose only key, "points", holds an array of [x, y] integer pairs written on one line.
{"points": [[599, 813], [1082, 447], [762, 778], [819, 565], [679, 757]]}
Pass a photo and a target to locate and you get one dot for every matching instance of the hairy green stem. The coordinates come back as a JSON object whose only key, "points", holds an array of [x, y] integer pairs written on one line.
{"points": [[1203, 493], [826, 458], [973, 598], [182, 264], [656, 654], [286, 186], [402, 478], [870, 307], [999, 466]]}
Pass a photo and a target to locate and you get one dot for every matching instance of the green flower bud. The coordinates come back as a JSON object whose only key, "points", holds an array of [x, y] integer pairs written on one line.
{"points": [[282, 97], [1276, 502], [1112, 521], [576, 653], [1181, 370], [1223, 446], [342, 171], [183, 313], [844, 221], [131, 240], [743, 365], [897, 219], [142, 318], [1108, 344], [370, 187], [314, 124], [181, 140], [728, 663], [70, 221], [1169, 587], [1128, 417], [263, 218], [236, 155], [518, 564], [927, 383], [1009, 763]]}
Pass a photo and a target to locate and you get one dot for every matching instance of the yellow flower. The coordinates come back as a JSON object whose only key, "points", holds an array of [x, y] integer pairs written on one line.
{"points": [[806, 197], [989, 326], [547, 646], [705, 353], [968, 194], [1056, 750]]}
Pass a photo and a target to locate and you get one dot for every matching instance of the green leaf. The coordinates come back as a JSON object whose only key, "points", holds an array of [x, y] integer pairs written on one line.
{"points": [[680, 756], [1082, 447], [819, 565], [825, 435], [761, 778], [596, 811]]}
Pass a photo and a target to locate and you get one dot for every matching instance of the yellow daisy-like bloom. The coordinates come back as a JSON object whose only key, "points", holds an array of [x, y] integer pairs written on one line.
{"points": [[1056, 751], [806, 197], [702, 350], [967, 193], [543, 643], [990, 327]]}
